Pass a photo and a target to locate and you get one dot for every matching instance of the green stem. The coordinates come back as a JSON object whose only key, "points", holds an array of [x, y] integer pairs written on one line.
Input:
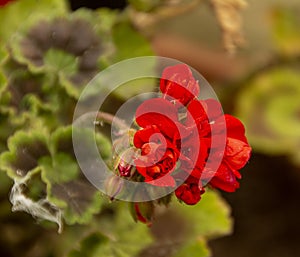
{"points": [[109, 119]]}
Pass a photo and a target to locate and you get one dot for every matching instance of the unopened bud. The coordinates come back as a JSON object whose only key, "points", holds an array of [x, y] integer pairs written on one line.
{"points": [[143, 212], [126, 161], [113, 186], [124, 169]]}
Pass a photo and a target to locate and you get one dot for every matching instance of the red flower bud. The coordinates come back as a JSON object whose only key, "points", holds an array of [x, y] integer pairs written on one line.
{"points": [[124, 169], [190, 192], [143, 212], [125, 163]]}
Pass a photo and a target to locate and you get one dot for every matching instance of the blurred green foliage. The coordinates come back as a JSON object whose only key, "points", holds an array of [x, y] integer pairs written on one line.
{"points": [[269, 106], [286, 29], [269, 102]]}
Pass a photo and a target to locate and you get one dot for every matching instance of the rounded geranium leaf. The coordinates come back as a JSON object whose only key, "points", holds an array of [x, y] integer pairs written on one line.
{"points": [[269, 108], [25, 150], [20, 14], [78, 198], [116, 242], [285, 24], [67, 47]]}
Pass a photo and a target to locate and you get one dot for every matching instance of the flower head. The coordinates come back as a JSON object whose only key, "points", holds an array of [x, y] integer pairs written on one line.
{"points": [[187, 142]]}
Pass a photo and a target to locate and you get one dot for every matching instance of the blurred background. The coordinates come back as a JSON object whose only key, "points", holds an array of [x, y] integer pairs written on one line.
{"points": [[253, 63]]}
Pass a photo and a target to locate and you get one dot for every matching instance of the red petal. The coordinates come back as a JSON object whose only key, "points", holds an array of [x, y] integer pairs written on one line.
{"points": [[159, 112], [180, 69], [235, 128], [196, 113], [178, 83], [165, 181], [237, 153], [224, 179], [139, 216], [189, 192], [143, 136], [213, 109]]}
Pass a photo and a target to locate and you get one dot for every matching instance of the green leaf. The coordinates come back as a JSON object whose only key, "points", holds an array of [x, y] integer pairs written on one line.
{"points": [[89, 245], [129, 42], [78, 199], [33, 95], [67, 189], [182, 230], [60, 168], [87, 138], [145, 5], [3, 82], [59, 61], [285, 28], [137, 86], [25, 150], [61, 141], [197, 248], [71, 48], [269, 108], [120, 237], [209, 218], [20, 14], [3, 53]]}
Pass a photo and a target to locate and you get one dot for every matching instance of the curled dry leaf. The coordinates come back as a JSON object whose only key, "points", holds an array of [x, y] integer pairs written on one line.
{"points": [[229, 18]]}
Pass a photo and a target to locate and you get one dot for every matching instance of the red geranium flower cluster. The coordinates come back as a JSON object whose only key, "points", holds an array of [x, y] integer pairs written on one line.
{"points": [[186, 141]]}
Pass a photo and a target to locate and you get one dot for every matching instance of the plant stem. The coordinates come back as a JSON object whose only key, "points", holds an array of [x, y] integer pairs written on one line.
{"points": [[110, 119]]}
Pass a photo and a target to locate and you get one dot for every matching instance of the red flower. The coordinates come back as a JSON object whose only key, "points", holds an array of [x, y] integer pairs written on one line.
{"points": [[199, 141], [5, 2], [194, 151], [158, 157], [236, 155], [178, 84], [190, 192], [160, 113], [216, 132], [196, 146], [159, 140]]}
